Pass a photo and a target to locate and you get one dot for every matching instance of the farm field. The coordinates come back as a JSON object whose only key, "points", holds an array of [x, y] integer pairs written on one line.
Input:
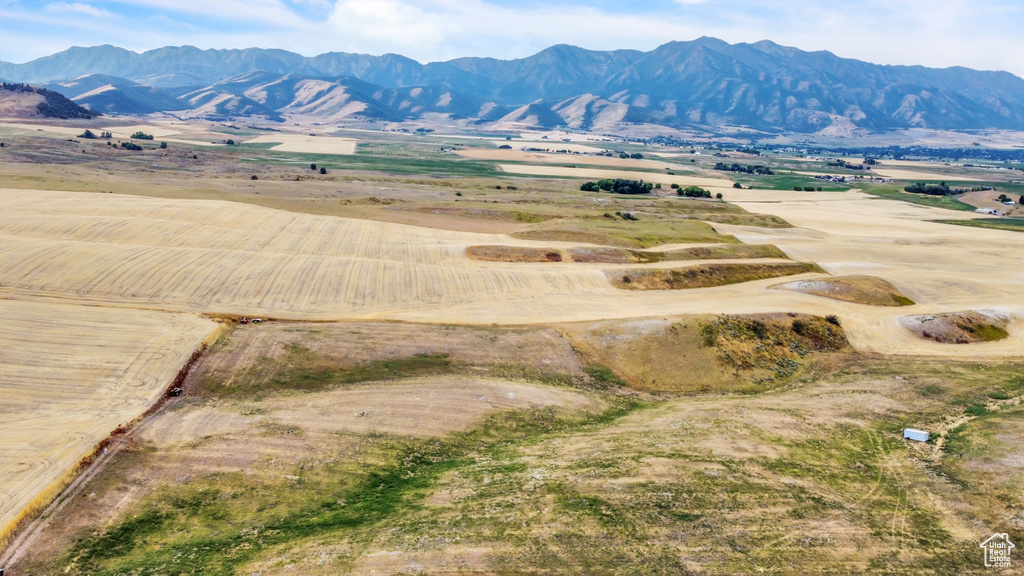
{"points": [[452, 375], [307, 144], [522, 156], [683, 179], [68, 376]]}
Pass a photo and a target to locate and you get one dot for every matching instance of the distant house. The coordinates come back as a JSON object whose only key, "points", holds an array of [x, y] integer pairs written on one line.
{"points": [[990, 211], [918, 435]]}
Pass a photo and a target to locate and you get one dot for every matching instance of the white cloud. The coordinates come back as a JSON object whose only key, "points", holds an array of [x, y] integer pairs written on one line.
{"points": [[77, 8]]}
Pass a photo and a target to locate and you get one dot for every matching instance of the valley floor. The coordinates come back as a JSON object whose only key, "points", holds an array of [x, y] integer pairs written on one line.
{"points": [[405, 407]]}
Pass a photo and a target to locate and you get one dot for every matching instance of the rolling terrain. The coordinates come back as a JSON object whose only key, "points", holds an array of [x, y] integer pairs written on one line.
{"points": [[452, 374]]}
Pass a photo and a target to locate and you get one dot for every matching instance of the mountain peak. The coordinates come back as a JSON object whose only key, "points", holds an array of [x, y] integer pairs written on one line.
{"points": [[701, 82]]}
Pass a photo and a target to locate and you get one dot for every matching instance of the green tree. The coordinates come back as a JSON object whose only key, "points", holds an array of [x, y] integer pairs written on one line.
{"points": [[87, 135]]}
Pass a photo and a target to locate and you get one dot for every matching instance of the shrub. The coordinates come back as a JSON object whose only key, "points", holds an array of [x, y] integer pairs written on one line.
{"points": [[312, 166], [737, 185], [323, 170], [833, 320], [719, 195], [976, 410], [675, 186], [458, 193], [255, 177], [799, 326], [589, 187], [131, 146], [163, 145]]}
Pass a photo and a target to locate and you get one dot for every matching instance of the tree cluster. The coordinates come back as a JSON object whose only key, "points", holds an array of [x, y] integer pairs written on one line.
{"points": [[693, 192], [735, 167], [142, 136], [618, 186], [931, 189], [840, 163]]}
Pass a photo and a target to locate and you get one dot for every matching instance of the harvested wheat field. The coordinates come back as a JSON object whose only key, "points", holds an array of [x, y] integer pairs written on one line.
{"points": [[562, 158], [915, 175], [68, 376], [307, 144], [596, 173], [230, 258]]}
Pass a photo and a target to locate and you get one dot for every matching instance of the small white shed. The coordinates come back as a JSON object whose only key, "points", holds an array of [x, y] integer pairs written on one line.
{"points": [[911, 434]]}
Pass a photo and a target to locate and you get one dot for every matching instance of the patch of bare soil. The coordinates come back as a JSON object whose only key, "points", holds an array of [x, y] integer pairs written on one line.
{"points": [[703, 276], [958, 327], [253, 355], [512, 254], [860, 289]]}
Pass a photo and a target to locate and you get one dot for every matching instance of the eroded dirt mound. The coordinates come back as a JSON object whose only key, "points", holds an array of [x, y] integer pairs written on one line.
{"points": [[609, 255], [958, 327], [708, 354], [859, 289], [704, 276]]}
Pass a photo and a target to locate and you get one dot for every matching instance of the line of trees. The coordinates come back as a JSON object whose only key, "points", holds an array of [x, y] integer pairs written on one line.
{"points": [[618, 186], [736, 167], [941, 189]]}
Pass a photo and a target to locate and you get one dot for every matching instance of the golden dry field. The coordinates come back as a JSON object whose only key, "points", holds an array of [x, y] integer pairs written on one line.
{"points": [[307, 144], [68, 376]]}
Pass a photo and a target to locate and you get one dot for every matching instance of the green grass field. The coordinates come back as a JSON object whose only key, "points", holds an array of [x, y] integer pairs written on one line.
{"points": [[1011, 224], [891, 193]]}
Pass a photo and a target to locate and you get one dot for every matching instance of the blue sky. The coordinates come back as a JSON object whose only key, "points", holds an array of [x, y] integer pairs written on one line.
{"points": [[983, 34]]}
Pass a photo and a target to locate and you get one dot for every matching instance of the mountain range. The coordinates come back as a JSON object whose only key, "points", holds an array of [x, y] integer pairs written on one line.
{"points": [[696, 84]]}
